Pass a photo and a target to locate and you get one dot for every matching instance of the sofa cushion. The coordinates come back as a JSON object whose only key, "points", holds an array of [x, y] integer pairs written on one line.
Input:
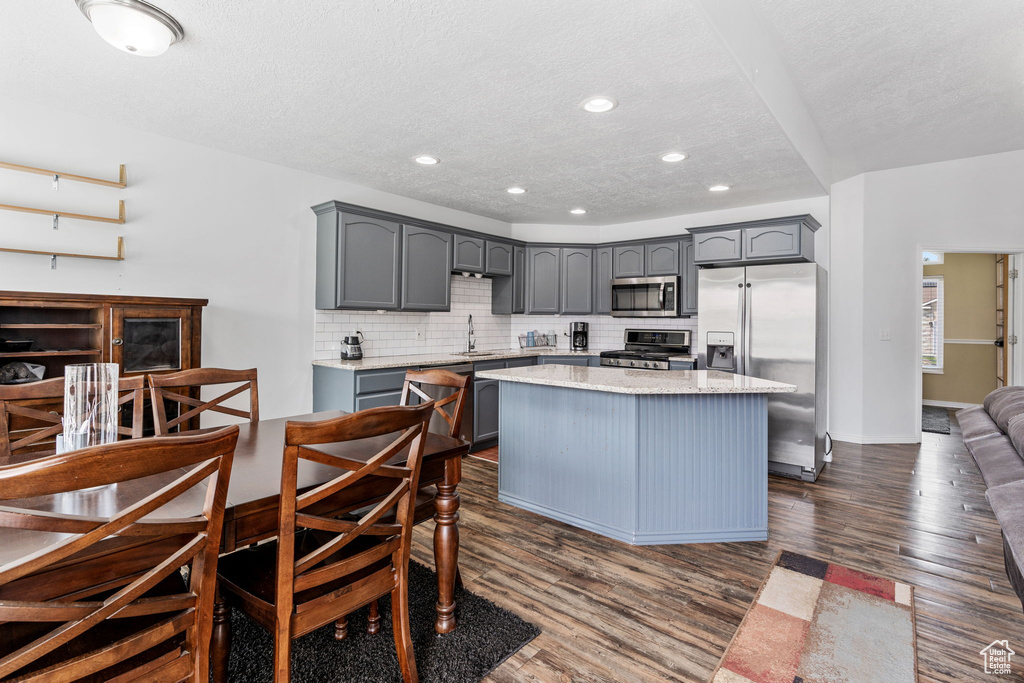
{"points": [[975, 423], [998, 460], [999, 393], [1006, 409], [1016, 434], [1007, 503]]}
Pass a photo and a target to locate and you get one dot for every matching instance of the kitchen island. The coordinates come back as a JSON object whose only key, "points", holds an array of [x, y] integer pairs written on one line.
{"points": [[646, 457]]}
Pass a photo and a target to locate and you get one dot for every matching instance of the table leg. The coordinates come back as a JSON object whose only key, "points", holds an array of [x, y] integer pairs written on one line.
{"points": [[220, 645], [446, 544]]}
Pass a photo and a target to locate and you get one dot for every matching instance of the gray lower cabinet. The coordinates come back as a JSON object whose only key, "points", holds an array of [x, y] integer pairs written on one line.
{"points": [[577, 280], [426, 268], [352, 390], [543, 280], [777, 242], [662, 258], [720, 246], [485, 409], [357, 261], [582, 361], [603, 280], [689, 278], [628, 261], [469, 254], [497, 258]]}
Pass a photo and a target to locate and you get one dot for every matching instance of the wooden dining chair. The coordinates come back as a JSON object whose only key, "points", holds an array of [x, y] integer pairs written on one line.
{"points": [[104, 597], [321, 567], [166, 387], [30, 414], [413, 386]]}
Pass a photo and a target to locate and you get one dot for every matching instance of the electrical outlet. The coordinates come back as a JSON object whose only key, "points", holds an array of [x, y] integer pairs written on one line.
{"points": [[418, 334], [885, 334]]}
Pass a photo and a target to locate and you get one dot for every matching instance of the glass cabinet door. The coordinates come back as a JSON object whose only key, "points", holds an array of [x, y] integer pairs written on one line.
{"points": [[150, 339]]}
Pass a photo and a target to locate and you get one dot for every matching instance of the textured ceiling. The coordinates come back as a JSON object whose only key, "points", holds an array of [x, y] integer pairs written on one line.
{"points": [[354, 89], [899, 82]]}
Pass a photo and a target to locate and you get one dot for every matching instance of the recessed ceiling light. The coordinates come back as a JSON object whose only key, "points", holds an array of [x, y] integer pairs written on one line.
{"points": [[515, 190], [718, 188], [578, 212], [673, 157], [133, 26], [427, 160], [599, 105]]}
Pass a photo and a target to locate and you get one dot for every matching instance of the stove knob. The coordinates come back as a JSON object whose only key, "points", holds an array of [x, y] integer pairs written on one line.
{"points": [[646, 364], [632, 363]]}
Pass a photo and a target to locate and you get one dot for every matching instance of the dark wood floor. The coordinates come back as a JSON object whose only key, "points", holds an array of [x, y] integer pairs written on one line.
{"points": [[613, 612]]}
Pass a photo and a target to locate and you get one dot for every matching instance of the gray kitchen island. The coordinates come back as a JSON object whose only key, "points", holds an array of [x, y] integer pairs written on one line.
{"points": [[641, 456]]}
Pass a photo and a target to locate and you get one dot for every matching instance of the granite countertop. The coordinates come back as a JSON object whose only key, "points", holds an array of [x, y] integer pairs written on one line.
{"points": [[619, 381], [424, 359]]}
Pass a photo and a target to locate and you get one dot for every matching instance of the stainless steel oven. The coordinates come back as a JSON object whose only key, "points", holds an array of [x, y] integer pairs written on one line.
{"points": [[645, 297]]}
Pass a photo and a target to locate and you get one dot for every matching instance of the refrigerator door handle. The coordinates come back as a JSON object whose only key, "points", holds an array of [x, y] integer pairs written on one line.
{"points": [[748, 330], [741, 330]]}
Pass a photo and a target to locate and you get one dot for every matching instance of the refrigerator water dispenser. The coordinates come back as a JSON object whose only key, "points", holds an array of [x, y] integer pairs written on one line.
{"points": [[720, 351]]}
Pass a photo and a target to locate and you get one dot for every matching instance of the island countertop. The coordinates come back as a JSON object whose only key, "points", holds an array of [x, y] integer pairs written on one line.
{"points": [[620, 381]]}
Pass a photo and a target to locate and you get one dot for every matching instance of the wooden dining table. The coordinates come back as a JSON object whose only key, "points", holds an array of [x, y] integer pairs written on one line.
{"points": [[251, 514]]}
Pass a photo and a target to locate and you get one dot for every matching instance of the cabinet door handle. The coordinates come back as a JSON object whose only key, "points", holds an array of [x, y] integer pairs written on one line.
{"points": [[117, 342]]}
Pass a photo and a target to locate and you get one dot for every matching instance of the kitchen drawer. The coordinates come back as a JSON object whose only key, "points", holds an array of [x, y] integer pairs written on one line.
{"points": [[390, 398], [521, 362], [374, 381], [483, 365]]}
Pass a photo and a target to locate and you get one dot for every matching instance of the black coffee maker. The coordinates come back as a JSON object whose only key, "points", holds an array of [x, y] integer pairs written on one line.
{"points": [[578, 336]]}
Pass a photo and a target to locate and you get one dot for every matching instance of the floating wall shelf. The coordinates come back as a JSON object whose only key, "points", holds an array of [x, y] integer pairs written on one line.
{"points": [[54, 254], [122, 182], [61, 214]]}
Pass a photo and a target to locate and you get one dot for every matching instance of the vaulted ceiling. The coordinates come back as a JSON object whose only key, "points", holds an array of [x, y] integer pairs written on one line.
{"points": [[775, 98]]}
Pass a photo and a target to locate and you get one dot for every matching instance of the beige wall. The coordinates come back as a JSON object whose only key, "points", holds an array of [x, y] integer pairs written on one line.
{"points": [[969, 313]]}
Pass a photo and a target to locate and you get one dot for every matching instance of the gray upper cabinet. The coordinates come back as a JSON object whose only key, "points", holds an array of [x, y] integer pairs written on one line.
{"points": [[426, 268], [543, 280], [777, 242], [498, 258], [662, 258], [508, 294], [720, 246], [628, 261], [469, 254], [689, 278], [357, 261], [603, 280], [577, 280]]}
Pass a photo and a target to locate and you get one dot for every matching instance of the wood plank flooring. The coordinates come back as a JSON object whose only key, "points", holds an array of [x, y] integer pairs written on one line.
{"points": [[614, 612]]}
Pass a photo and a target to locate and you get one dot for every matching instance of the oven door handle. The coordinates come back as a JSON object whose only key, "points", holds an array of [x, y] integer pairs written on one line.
{"points": [[661, 297]]}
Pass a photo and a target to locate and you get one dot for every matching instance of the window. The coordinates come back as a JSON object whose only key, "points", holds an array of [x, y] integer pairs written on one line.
{"points": [[931, 324], [931, 258]]}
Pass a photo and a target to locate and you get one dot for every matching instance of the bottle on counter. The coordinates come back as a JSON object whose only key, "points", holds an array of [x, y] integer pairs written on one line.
{"points": [[530, 338]]}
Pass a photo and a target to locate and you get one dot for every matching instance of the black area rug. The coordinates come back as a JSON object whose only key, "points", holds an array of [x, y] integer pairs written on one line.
{"points": [[485, 637], [935, 419]]}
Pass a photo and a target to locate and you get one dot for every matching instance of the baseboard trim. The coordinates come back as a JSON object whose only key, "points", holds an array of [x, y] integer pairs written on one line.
{"points": [[874, 440], [949, 404]]}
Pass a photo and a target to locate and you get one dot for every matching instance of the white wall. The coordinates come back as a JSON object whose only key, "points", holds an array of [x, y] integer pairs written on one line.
{"points": [[880, 221], [201, 223]]}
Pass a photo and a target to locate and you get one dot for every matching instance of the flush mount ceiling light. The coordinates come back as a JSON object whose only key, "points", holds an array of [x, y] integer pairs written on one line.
{"points": [[426, 160], [515, 190], [578, 212], [600, 104], [718, 188], [133, 26], [673, 157]]}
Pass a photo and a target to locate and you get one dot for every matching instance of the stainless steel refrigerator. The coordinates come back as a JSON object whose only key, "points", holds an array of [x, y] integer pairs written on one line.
{"points": [[771, 322]]}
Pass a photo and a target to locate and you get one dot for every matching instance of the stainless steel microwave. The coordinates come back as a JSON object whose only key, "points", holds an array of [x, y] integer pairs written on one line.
{"points": [[645, 297]]}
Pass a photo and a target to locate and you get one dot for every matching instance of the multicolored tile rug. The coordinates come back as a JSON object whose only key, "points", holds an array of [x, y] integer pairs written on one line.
{"points": [[817, 622]]}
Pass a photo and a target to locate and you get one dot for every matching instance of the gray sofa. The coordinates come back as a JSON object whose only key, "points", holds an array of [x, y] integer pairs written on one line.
{"points": [[994, 435]]}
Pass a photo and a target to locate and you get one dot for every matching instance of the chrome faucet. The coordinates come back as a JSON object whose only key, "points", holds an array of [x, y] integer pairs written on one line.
{"points": [[470, 344]]}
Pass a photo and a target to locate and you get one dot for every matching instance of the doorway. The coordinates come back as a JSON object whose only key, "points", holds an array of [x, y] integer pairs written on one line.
{"points": [[967, 342]]}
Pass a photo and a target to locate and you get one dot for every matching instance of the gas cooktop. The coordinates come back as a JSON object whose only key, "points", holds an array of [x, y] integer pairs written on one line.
{"points": [[648, 349]]}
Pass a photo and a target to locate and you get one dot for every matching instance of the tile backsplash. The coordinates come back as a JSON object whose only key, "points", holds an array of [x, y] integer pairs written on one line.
{"points": [[399, 334]]}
